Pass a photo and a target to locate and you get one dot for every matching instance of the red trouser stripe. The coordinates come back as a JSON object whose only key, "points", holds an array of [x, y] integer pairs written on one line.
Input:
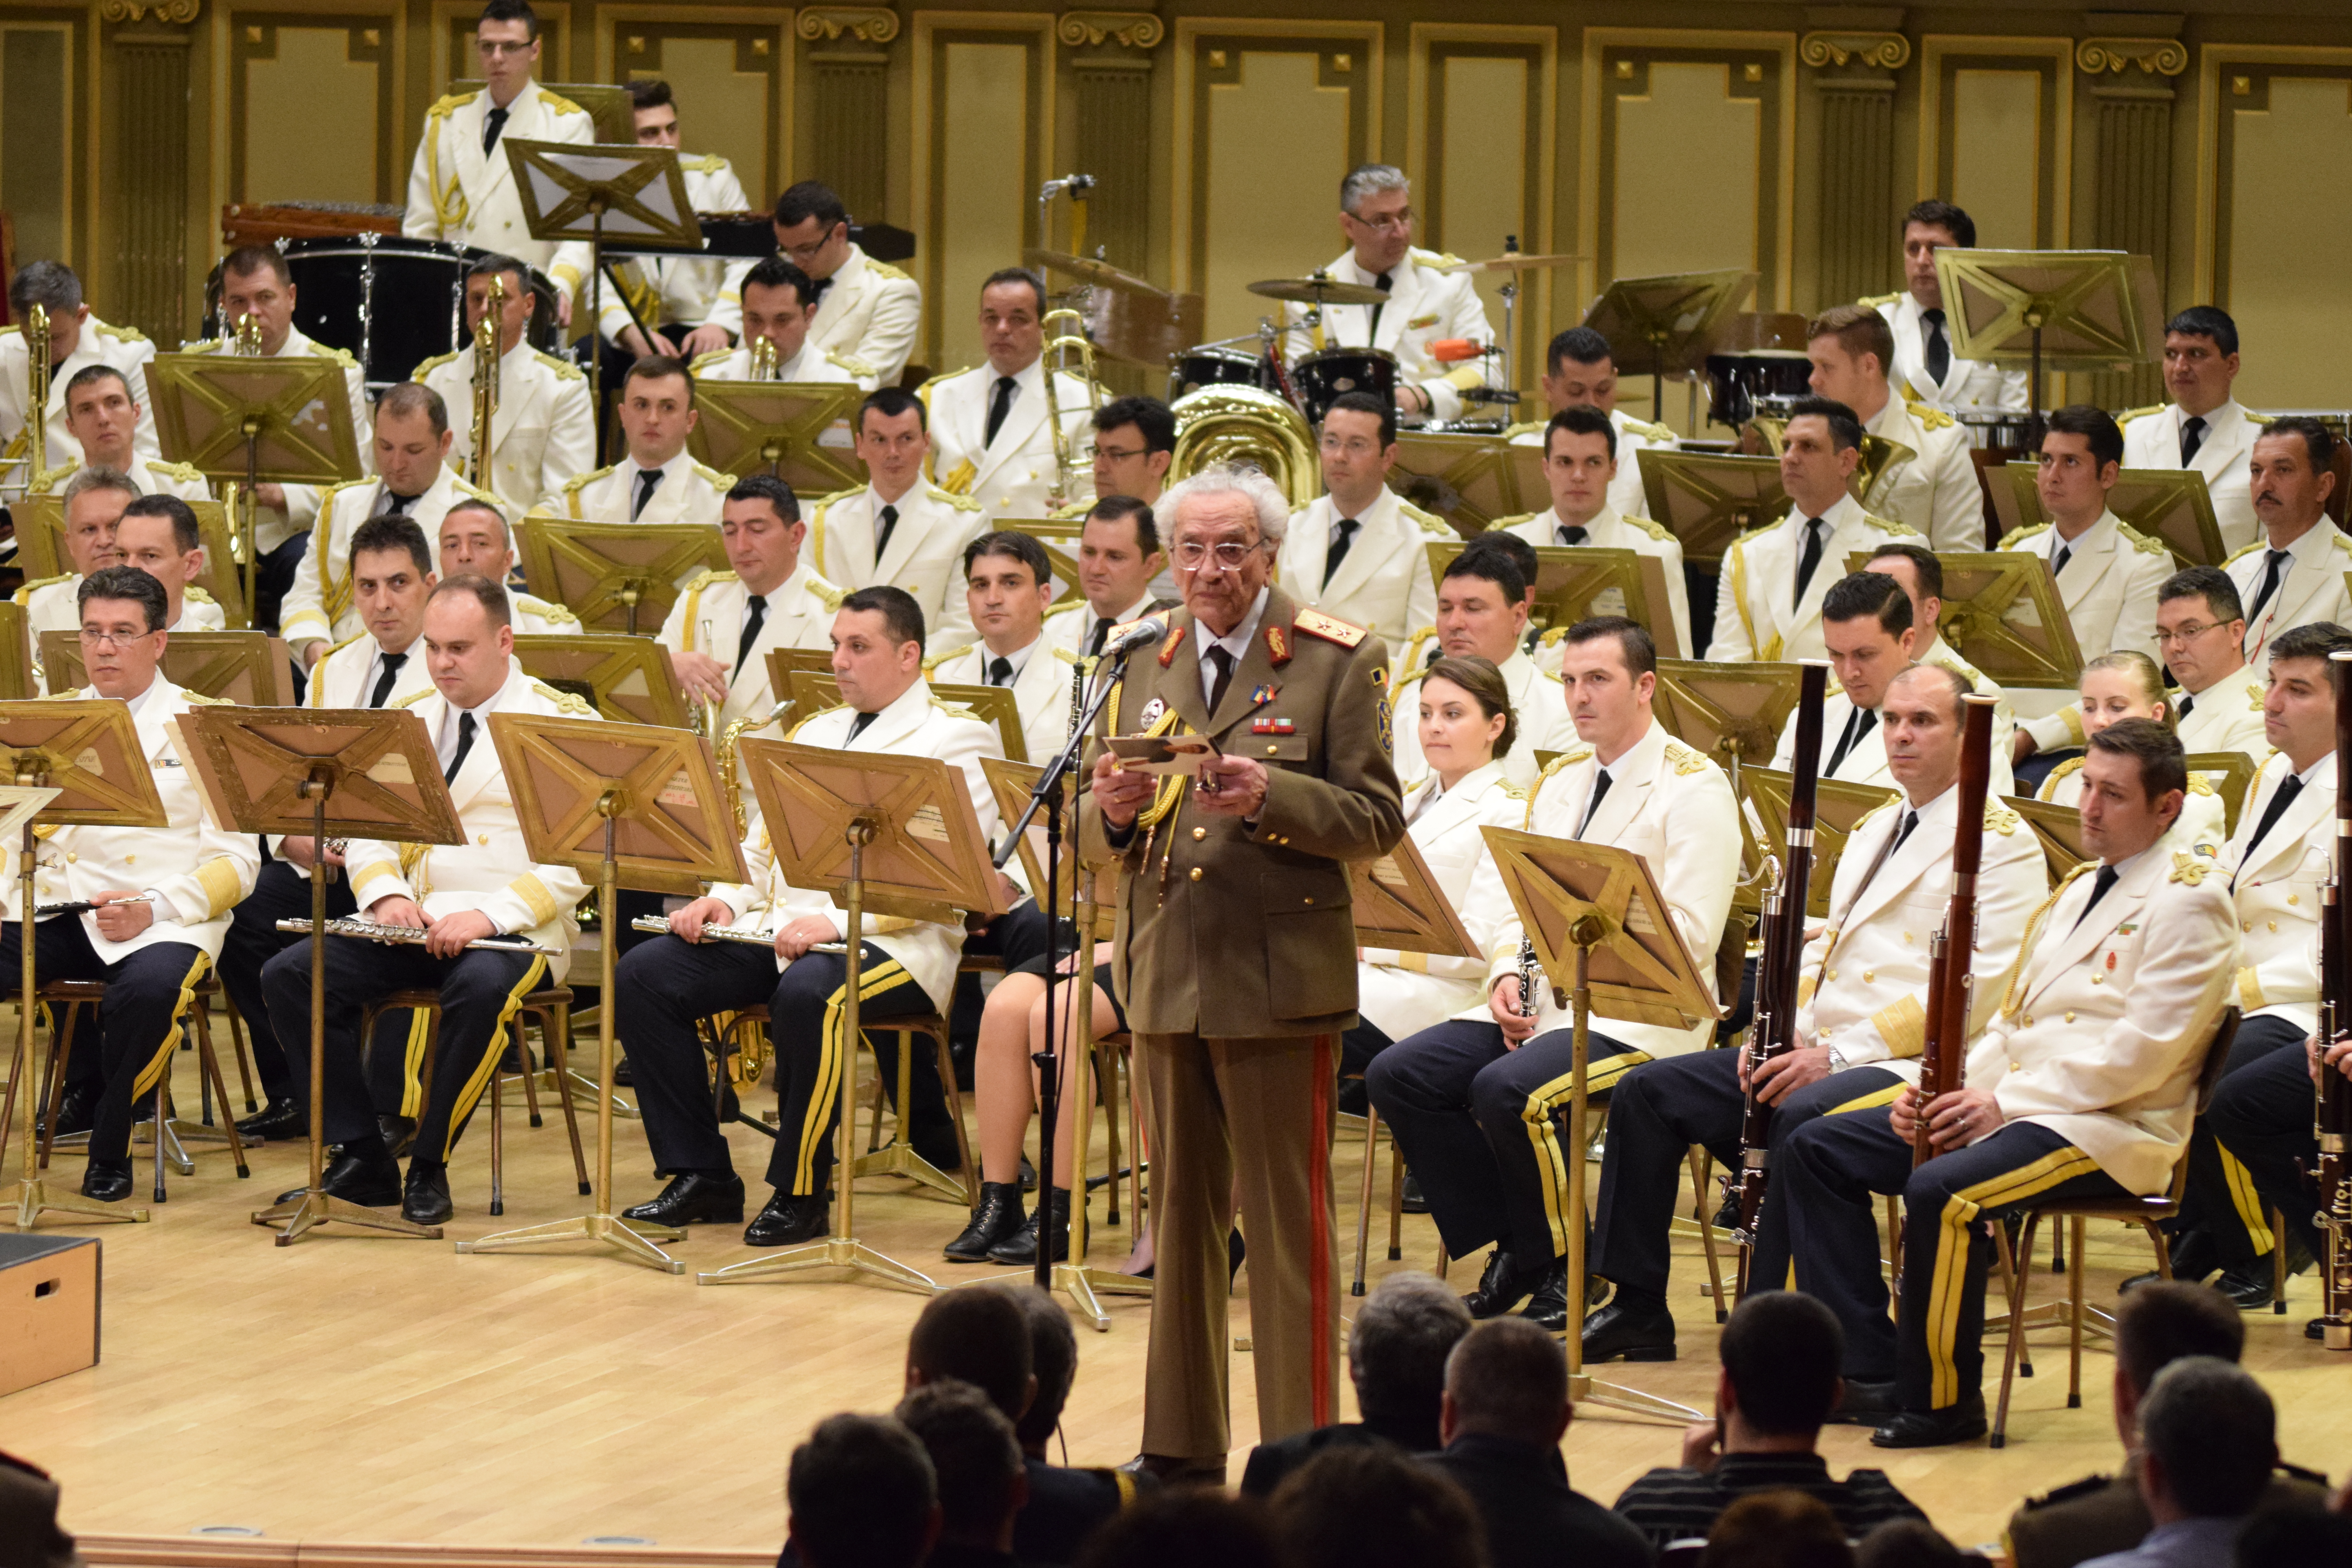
{"points": [[1319, 1281]]}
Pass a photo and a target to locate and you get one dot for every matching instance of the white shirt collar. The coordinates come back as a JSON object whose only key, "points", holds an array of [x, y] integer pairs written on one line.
{"points": [[1019, 659], [1235, 642], [2310, 775], [446, 745], [1592, 530], [631, 468]]}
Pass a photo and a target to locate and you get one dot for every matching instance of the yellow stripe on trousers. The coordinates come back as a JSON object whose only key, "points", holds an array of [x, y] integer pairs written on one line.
{"points": [[871, 982], [470, 1094], [412, 1062], [1960, 1210], [1543, 1104], [1871, 1101], [144, 1084], [2252, 1212]]}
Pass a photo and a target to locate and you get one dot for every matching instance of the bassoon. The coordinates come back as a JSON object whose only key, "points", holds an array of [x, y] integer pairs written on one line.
{"points": [[2332, 1108], [1943, 1051]]}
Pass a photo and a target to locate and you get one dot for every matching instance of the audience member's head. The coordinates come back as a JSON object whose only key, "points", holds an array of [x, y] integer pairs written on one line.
{"points": [[2307, 1537], [1397, 1350], [862, 1495], [975, 1457], [1909, 1543], [1375, 1508], [2159, 1323], [2207, 1440], [1054, 1359], [1184, 1528], [1507, 1379], [1780, 1353], [1777, 1529], [979, 1336]]}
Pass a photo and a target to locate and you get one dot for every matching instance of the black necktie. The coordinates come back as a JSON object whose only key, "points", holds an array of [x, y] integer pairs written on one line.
{"points": [[1592, 806], [465, 744], [755, 616], [1000, 671], [2181, 708], [1225, 663], [2192, 436], [2099, 886], [1338, 550], [1575, 537], [887, 520], [817, 287], [1811, 557], [1380, 283], [648, 481], [858, 726], [1102, 635], [1858, 726], [391, 663], [395, 505], [492, 123], [2065, 553], [2271, 571], [1939, 348], [998, 406], [2279, 801], [1910, 817]]}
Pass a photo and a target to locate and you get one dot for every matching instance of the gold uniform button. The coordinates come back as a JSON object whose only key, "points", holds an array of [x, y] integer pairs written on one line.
{"points": [[1273, 750], [2294, 898], [2248, 925], [1199, 834], [1196, 873], [484, 838], [2070, 1015], [2098, 979], [1828, 974], [1869, 976], [2273, 925], [71, 857], [2029, 1020], [133, 861]]}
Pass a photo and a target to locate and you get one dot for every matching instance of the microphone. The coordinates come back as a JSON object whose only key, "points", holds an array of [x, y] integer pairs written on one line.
{"points": [[1143, 634]]}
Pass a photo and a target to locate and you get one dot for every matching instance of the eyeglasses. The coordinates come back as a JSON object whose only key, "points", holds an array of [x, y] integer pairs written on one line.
{"points": [[1118, 454], [488, 46], [1193, 554], [109, 640], [801, 254], [1353, 447], [2185, 634], [1387, 223]]}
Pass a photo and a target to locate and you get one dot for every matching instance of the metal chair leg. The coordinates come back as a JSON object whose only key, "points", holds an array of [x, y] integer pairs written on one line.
{"points": [[2074, 1313], [208, 1063], [966, 1170], [1701, 1163], [498, 1149], [1364, 1200], [2014, 1278], [529, 1083]]}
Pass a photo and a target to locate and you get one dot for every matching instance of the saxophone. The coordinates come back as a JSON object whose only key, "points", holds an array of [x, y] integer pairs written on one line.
{"points": [[764, 362], [487, 370], [722, 754]]}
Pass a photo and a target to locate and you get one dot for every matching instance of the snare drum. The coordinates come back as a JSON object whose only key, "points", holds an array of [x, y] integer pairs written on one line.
{"points": [[1322, 377], [1740, 386], [1196, 368], [1996, 429]]}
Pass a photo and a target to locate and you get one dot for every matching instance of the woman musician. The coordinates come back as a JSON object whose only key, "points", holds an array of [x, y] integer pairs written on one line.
{"points": [[2127, 684]]}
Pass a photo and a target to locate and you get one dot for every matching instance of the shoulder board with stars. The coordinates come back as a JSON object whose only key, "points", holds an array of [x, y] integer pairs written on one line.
{"points": [[1330, 628]]}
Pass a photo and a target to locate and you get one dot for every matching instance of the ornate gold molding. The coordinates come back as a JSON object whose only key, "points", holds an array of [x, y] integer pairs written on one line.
{"points": [[2156, 56], [1887, 51], [865, 25], [177, 10], [1131, 29]]}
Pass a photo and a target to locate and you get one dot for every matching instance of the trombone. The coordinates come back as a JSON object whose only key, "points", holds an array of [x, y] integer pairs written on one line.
{"points": [[37, 393], [1053, 358], [486, 370]]}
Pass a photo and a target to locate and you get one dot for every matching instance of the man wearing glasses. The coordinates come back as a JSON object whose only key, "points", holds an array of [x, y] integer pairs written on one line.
{"points": [[1424, 305], [1360, 552], [2200, 629], [461, 188], [865, 310]]}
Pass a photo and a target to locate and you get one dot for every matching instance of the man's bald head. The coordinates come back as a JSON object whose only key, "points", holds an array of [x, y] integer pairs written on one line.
{"points": [[1946, 686]]}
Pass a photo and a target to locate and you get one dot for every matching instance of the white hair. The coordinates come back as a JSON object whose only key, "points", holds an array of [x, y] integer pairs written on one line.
{"points": [[1370, 179], [1245, 480]]}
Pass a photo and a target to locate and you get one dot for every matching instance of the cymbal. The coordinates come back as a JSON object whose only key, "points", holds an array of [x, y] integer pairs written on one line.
{"points": [[1102, 274], [1322, 289], [1513, 261]]}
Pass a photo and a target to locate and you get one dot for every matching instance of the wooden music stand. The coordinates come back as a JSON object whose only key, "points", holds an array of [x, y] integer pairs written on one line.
{"points": [[2230, 774], [1732, 712], [16, 656], [615, 576], [70, 765], [2051, 309], [798, 431], [2171, 506], [2002, 613], [2057, 828], [1707, 500], [993, 705], [1059, 538], [1398, 904], [1838, 808], [266, 771], [1675, 317], [1603, 933], [628, 678], [286, 420], [1471, 482], [250, 670], [890, 835], [41, 540], [787, 665], [622, 803], [1572, 583]]}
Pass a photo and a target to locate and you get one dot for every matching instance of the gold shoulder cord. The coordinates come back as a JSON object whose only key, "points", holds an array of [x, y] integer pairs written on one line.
{"points": [[1170, 793]]}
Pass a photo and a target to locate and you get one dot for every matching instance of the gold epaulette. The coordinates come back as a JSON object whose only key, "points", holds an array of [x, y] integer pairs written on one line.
{"points": [[571, 702], [703, 362], [197, 594], [924, 391], [1502, 525], [718, 482], [708, 575], [2020, 536], [1565, 760], [546, 610], [1687, 761], [577, 482], [1435, 258], [564, 368], [827, 592], [2200, 784], [960, 502], [1436, 526], [884, 270], [24, 596], [183, 471], [850, 362], [340, 356], [1999, 819], [707, 163], [479, 494], [2187, 867], [1875, 300], [1657, 530], [2255, 418], [1931, 417], [2139, 541], [2128, 415], [413, 698], [1890, 527], [2237, 555], [450, 103], [124, 334], [1649, 431], [339, 648], [199, 699], [1330, 628], [2049, 790], [1525, 427], [558, 103], [932, 661]]}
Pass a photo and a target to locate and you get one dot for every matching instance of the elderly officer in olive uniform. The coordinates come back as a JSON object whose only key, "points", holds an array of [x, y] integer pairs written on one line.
{"points": [[1235, 954]]}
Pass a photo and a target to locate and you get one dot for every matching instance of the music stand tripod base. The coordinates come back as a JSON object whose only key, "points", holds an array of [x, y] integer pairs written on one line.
{"points": [[310, 1208], [635, 1244]]}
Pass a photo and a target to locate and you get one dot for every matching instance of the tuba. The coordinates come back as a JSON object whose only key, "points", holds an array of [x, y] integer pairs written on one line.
{"points": [[764, 363], [486, 370], [1054, 357], [37, 391], [1229, 424]]}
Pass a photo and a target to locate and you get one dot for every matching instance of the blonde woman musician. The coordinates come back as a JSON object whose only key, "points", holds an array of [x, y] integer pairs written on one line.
{"points": [[2127, 684]]}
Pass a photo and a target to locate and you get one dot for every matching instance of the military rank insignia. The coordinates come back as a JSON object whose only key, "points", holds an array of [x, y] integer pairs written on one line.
{"points": [[1265, 725], [1277, 645], [1382, 714]]}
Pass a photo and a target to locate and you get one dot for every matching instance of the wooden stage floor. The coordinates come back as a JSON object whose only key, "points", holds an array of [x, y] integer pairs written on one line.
{"points": [[351, 1388]]}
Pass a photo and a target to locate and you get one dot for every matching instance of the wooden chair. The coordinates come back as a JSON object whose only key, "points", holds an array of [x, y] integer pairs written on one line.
{"points": [[2146, 1213]]}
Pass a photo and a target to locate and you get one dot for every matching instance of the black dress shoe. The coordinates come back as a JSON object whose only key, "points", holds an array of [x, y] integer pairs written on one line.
{"points": [[1636, 1331], [77, 1112], [786, 1221], [108, 1181], [693, 1196], [996, 1219], [1548, 1308], [1962, 1423], [2194, 1258], [1413, 1200], [281, 1121], [399, 1133], [1018, 1250], [622, 1077], [424, 1200], [2249, 1288], [372, 1181], [1502, 1285], [1866, 1404], [1168, 1470], [1727, 1217]]}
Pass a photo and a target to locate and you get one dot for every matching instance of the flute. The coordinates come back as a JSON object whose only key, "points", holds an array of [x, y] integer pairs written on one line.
{"points": [[371, 930], [656, 925]]}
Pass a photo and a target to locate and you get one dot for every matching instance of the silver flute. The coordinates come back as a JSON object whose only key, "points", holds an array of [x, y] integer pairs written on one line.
{"points": [[658, 925], [373, 931]]}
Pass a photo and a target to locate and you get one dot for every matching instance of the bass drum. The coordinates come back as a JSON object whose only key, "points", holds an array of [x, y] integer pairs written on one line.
{"points": [[1322, 377], [1197, 368]]}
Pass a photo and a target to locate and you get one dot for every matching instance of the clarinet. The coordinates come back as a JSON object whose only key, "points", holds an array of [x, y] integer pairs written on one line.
{"points": [[1788, 890], [1528, 1003], [2332, 1098], [1944, 1053]]}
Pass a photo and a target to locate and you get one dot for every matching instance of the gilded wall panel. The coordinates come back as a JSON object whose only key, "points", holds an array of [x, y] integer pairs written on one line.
{"points": [[314, 104], [1997, 135], [38, 58], [727, 70], [983, 118]]}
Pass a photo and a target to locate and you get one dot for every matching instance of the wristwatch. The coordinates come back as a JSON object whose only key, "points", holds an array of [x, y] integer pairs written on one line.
{"points": [[1837, 1060]]}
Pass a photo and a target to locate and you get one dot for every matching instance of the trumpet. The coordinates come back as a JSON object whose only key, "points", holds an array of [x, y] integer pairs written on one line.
{"points": [[37, 391], [487, 369], [1054, 357], [764, 362]]}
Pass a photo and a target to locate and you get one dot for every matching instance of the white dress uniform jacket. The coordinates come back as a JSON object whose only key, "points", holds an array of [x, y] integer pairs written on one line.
{"points": [[2310, 586], [492, 872], [1013, 475], [2275, 884], [1865, 762], [688, 492], [925, 557], [708, 618], [1864, 978], [149, 475], [203, 871], [346, 676], [538, 618], [1614, 530], [272, 528], [459, 192], [681, 288], [1401, 994], [1935, 492], [2227, 716], [318, 608], [1536, 699], [1759, 613], [2152, 441], [811, 364], [1670, 805], [1070, 621], [1966, 383], [1423, 307], [541, 434], [1041, 692], [125, 348], [1383, 583], [867, 311], [2108, 590], [2203, 820], [916, 725], [1627, 496], [2102, 1026]]}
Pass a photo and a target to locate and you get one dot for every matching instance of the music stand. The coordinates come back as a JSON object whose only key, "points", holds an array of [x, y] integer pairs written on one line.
{"points": [[1603, 931], [285, 420], [2229, 773], [628, 678], [2171, 506], [250, 670], [2050, 309], [884, 834], [1472, 481], [1838, 807], [994, 705], [1059, 538], [41, 540], [787, 665], [1675, 315], [1733, 712], [1707, 500], [798, 431], [616, 575], [618, 802], [2002, 613], [2057, 828], [16, 658], [1572, 583], [329, 772], [571, 191]]}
